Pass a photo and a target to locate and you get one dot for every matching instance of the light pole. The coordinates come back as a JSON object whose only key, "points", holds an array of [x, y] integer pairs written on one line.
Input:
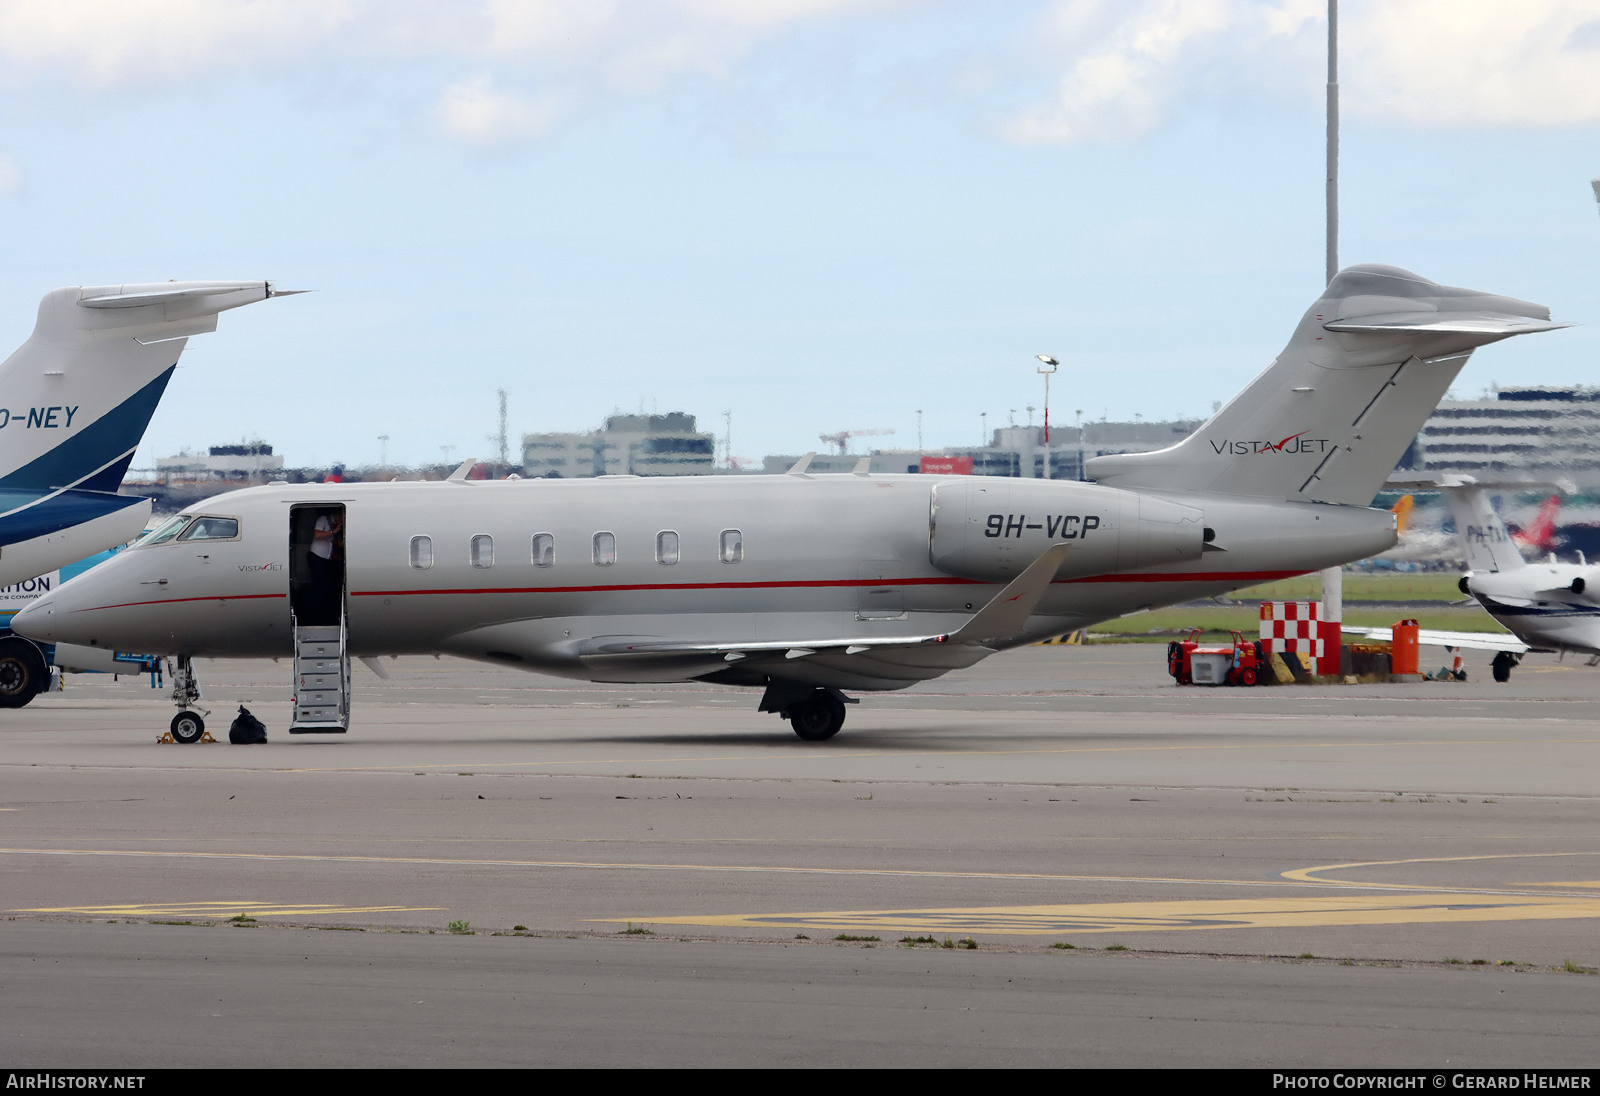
{"points": [[1049, 367], [1079, 414]]}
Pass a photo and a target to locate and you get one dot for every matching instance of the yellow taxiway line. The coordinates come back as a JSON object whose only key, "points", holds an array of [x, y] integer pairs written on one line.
{"points": [[1179, 916]]}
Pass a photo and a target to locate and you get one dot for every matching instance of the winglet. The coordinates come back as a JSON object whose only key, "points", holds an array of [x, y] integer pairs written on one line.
{"points": [[801, 465], [460, 474], [1005, 616]]}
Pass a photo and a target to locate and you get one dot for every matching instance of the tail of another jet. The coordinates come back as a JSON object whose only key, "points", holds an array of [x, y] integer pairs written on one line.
{"points": [[1539, 536], [1484, 539], [76, 398], [1402, 514], [1328, 420]]}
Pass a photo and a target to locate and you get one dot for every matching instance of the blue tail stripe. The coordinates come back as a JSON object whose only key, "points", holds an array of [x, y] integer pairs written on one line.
{"points": [[63, 511], [106, 445]]}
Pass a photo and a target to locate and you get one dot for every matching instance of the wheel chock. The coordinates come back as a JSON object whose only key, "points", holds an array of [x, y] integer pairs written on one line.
{"points": [[166, 736]]}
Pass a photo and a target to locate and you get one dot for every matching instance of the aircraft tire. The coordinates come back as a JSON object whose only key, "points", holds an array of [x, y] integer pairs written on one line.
{"points": [[23, 673], [1501, 667], [187, 727], [818, 718]]}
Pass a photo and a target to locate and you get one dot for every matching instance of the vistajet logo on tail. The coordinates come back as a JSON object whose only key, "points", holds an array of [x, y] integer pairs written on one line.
{"points": [[1294, 443]]}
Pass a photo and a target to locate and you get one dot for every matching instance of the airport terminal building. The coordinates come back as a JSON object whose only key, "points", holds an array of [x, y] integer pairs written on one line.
{"points": [[627, 445], [1532, 433]]}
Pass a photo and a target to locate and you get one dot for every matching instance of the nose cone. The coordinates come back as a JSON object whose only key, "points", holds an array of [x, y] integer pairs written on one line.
{"points": [[66, 614], [37, 620]]}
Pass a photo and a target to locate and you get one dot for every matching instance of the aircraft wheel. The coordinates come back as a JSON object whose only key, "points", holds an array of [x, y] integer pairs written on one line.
{"points": [[23, 672], [1501, 666], [187, 727], [818, 718]]}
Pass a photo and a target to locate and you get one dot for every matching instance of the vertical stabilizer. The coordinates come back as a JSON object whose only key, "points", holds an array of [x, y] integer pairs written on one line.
{"points": [[80, 392], [1328, 420], [74, 403], [1484, 539]]}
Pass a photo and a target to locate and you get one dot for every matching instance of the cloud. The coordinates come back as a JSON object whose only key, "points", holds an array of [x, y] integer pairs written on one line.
{"points": [[1120, 87], [107, 43], [1436, 63], [577, 52], [1423, 63], [473, 111], [1117, 68]]}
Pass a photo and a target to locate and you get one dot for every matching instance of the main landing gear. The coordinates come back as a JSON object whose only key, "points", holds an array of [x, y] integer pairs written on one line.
{"points": [[814, 714], [23, 673], [1502, 664], [816, 718], [188, 726]]}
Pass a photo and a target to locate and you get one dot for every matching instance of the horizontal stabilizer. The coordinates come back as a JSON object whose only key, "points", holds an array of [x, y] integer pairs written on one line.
{"points": [[1447, 481], [140, 296], [1465, 323]]}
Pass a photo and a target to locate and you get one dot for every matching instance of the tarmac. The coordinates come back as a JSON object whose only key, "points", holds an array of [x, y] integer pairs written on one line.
{"points": [[1057, 857]]}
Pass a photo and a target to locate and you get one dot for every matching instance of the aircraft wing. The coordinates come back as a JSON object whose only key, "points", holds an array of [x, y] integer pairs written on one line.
{"points": [[1472, 641], [909, 658]]}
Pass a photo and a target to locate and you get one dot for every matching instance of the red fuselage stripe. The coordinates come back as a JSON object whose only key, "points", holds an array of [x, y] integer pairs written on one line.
{"points": [[1240, 577]]}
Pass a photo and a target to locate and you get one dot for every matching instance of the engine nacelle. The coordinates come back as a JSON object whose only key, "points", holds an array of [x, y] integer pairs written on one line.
{"points": [[989, 528]]}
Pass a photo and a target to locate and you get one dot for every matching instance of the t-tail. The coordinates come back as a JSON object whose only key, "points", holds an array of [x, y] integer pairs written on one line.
{"points": [[1328, 420], [77, 398]]}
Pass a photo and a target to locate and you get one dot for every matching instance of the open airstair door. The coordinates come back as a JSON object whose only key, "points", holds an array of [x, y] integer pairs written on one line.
{"points": [[317, 599]]}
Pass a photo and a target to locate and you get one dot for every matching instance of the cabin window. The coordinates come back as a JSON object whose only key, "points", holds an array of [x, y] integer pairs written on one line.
{"points": [[422, 553], [732, 546], [483, 551], [605, 549], [212, 529], [544, 549], [171, 528], [667, 547]]}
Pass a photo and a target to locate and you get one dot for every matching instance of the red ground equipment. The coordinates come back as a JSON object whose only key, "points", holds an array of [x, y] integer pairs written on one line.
{"points": [[1241, 663]]}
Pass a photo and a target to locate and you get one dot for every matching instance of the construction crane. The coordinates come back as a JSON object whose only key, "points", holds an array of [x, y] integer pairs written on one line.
{"points": [[842, 438]]}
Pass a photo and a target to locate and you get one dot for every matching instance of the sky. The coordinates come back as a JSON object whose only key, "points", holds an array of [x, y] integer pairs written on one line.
{"points": [[808, 215]]}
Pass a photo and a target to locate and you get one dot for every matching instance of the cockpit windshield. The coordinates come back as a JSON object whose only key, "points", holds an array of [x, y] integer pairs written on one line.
{"points": [[164, 532], [212, 529]]}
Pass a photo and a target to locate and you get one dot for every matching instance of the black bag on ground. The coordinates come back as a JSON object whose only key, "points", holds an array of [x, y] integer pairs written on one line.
{"points": [[247, 730]]}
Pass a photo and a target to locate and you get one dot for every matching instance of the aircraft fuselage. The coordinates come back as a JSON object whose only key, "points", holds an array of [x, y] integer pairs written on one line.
{"points": [[549, 574]]}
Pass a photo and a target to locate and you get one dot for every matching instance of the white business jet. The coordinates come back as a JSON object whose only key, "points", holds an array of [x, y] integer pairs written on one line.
{"points": [[800, 585], [77, 398], [1546, 606]]}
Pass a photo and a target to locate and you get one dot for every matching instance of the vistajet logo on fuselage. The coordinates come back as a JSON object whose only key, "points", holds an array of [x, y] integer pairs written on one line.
{"points": [[1294, 443]]}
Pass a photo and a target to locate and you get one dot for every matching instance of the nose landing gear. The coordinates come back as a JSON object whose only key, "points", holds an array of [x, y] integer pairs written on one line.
{"points": [[188, 726]]}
